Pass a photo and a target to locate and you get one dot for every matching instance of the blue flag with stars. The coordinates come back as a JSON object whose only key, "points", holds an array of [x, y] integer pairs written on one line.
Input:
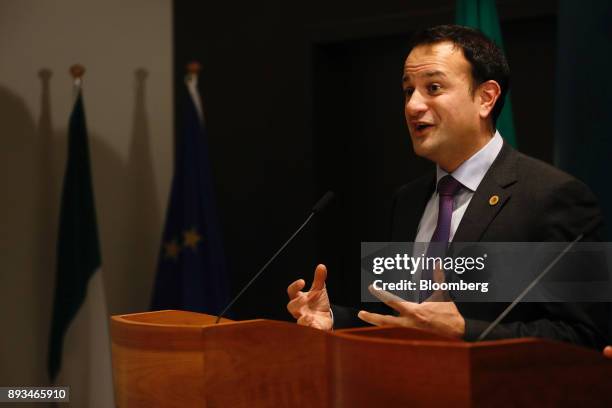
{"points": [[191, 270]]}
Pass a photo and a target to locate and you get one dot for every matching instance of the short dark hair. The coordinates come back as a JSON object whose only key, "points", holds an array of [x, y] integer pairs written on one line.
{"points": [[486, 58]]}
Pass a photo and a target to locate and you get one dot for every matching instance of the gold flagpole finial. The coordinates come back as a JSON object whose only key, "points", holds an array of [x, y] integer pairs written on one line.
{"points": [[77, 71], [194, 68]]}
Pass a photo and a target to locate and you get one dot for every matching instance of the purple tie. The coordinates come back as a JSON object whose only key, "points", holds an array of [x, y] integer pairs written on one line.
{"points": [[447, 188]]}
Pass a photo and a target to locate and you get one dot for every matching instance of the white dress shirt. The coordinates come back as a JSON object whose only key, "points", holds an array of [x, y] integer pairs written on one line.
{"points": [[469, 174]]}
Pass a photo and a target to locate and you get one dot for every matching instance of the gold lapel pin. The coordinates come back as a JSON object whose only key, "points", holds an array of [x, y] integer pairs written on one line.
{"points": [[494, 200]]}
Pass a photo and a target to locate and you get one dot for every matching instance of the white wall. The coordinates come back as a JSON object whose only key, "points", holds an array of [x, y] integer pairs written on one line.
{"points": [[131, 152]]}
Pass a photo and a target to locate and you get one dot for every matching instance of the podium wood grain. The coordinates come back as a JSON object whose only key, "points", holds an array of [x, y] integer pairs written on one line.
{"points": [[182, 359]]}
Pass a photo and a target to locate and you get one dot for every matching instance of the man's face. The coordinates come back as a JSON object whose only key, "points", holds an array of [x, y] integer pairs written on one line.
{"points": [[442, 115]]}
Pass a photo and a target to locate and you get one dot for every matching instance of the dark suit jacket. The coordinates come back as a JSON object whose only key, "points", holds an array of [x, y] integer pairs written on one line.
{"points": [[538, 203]]}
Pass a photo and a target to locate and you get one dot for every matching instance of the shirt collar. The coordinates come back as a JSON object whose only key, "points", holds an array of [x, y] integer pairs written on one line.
{"points": [[472, 171]]}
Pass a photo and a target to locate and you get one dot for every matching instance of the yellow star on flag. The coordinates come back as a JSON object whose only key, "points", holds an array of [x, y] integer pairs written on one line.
{"points": [[191, 238], [172, 249]]}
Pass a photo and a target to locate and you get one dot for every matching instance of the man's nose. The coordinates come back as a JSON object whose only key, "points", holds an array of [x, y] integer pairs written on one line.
{"points": [[415, 105]]}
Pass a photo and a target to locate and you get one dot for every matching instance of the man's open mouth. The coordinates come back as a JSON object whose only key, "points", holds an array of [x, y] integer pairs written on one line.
{"points": [[422, 126]]}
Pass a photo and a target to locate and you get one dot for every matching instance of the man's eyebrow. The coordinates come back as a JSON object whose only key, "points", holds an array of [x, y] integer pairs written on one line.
{"points": [[433, 73], [428, 74]]}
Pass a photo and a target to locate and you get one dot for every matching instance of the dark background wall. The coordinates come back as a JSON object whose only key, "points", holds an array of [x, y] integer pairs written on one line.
{"points": [[302, 98]]}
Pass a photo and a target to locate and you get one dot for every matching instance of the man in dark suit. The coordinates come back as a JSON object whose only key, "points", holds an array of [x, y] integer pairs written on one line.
{"points": [[455, 81]]}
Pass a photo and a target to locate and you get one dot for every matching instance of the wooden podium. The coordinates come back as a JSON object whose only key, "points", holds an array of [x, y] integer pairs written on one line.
{"points": [[182, 359]]}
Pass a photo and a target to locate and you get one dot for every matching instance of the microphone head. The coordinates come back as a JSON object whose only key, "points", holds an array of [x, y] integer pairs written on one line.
{"points": [[323, 201]]}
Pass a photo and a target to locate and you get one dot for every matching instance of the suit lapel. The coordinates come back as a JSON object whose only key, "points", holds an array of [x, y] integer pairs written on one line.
{"points": [[420, 202], [409, 210], [483, 208]]}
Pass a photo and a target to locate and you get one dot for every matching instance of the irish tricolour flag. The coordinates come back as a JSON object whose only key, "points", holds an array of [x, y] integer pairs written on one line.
{"points": [[79, 349]]}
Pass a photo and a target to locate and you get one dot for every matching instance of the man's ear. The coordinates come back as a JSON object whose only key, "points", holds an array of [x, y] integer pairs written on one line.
{"points": [[488, 93]]}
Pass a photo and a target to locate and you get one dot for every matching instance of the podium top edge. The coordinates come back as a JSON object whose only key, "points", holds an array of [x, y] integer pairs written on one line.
{"points": [[169, 318]]}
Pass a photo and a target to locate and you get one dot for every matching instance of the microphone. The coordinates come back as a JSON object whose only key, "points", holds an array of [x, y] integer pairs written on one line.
{"points": [[590, 228], [323, 202], [318, 207]]}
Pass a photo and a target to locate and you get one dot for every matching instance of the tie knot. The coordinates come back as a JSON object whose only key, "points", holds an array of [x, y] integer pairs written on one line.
{"points": [[448, 186]]}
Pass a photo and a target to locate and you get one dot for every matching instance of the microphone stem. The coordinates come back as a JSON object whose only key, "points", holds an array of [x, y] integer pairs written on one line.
{"points": [[520, 297], [263, 268]]}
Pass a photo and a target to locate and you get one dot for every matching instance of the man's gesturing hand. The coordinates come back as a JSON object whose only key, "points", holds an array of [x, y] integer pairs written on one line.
{"points": [[438, 317], [311, 308]]}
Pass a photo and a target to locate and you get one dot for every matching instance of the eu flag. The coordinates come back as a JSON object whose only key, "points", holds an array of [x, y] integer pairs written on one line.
{"points": [[191, 268]]}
